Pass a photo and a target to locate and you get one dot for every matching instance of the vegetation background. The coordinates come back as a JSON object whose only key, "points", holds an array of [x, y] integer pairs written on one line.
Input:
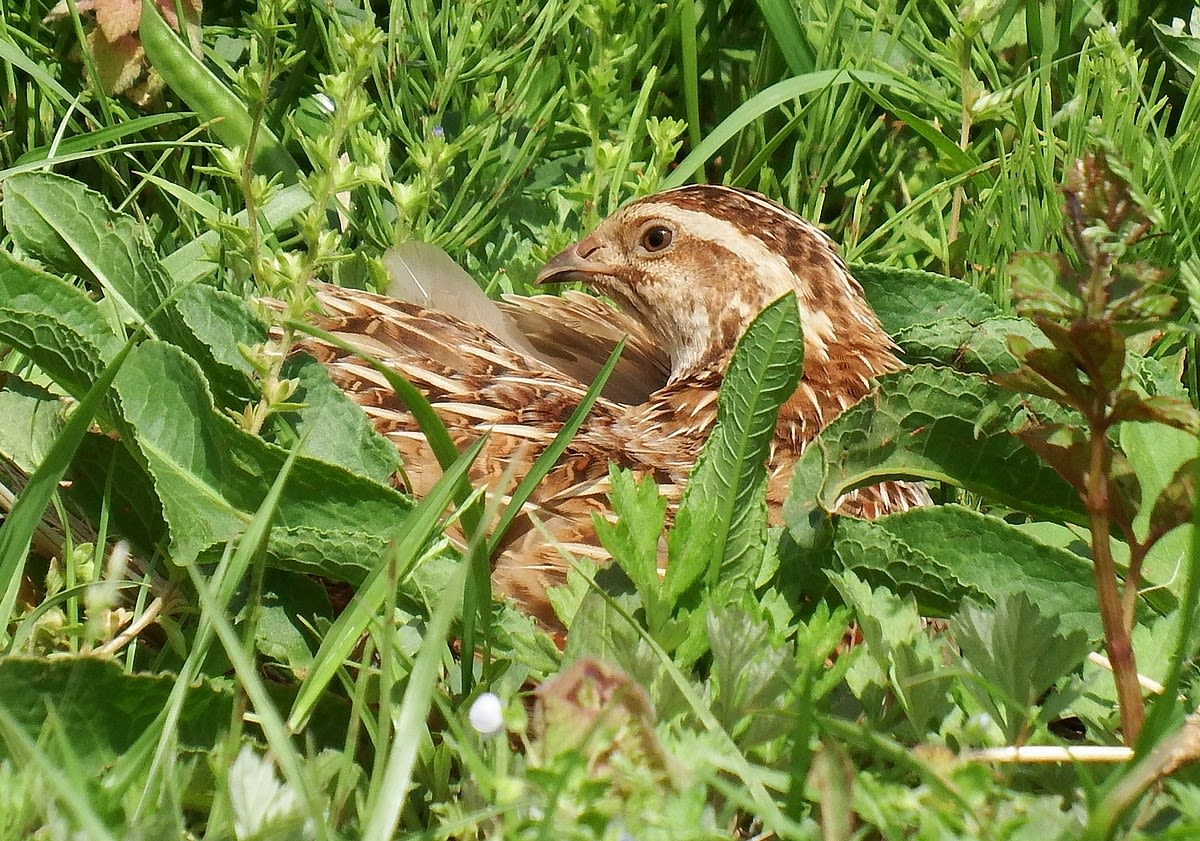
{"points": [[191, 684]]}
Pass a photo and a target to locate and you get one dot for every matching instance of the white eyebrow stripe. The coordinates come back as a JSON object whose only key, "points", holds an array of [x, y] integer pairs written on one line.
{"points": [[773, 268]]}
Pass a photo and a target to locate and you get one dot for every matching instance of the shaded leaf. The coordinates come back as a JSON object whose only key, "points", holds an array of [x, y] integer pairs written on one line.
{"points": [[753, 675], [55, 324], [1019, 651], [1100, 350], [1064, 447], [1172, 411], [103, 710], [1176, 504], [33, 418], [291, 605], [1059, 368]]}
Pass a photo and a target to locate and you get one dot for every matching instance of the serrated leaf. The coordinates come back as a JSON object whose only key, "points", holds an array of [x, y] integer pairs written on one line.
{"points": [[74, 230], [211, 476], [1063, 447], [900, 652], [720, 529], [944, 554], [55, 324], [1171, 411], [633, 540], [1018, 650], [752, 673], [1059, 369], [1041, 286], [219, 322], [930, 423], [1100, 350]]}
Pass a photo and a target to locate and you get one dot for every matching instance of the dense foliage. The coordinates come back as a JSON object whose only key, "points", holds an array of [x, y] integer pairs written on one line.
{"points": [[187, 508]]}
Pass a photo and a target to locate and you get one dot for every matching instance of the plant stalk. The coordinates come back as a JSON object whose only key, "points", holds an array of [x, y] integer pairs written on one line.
{"points": [[1117, 638]]}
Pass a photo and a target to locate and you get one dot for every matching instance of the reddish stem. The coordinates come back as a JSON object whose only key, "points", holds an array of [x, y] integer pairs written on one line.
{"points": [[1117, 639]]}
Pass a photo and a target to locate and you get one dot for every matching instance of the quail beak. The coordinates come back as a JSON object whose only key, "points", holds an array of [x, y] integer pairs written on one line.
{"points": [[582, 261]]}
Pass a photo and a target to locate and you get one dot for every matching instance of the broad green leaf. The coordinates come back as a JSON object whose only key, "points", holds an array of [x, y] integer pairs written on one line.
{"points": [[220, 322], [16, 532], [102, 709], [904, 298], [73, 230], [944, 554], [929, 423], [291, 604], [720, 529], [106, 477], [1156, 453], [335, 428], [942, 320], [55, 324], [211, 476]]}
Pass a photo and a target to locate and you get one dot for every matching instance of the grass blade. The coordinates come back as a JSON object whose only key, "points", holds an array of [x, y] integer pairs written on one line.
{"points": [[760, 104], [209, 98], [409, 722], [423, 523], [788, 31]]}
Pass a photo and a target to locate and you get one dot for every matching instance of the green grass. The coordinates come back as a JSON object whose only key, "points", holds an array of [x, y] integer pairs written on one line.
{"points": [[303, 141]]}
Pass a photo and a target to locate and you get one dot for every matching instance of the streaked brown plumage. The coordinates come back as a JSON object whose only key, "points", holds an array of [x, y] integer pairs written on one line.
{"points": [[690, 268]]}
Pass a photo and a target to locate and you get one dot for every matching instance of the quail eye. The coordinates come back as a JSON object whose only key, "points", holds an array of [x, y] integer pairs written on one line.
{"points": [[656, 238]]}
